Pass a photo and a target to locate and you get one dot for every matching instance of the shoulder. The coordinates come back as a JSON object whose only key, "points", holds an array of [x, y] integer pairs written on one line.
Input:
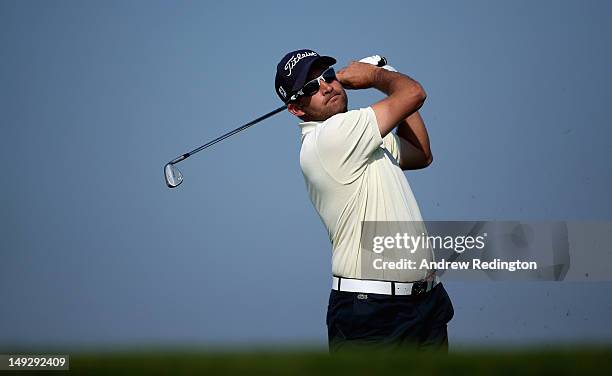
{"points": [[352, 116], [347, 124]]}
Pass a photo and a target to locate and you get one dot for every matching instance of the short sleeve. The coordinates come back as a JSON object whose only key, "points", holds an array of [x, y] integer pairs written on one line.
{"points": [[392, 144], [345, 143]]}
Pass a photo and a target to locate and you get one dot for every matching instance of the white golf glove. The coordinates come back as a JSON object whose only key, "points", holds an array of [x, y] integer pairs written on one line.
{"points": [[374, 61]]}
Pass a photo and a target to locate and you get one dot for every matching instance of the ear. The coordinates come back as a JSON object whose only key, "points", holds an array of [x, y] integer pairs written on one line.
{"points": [[295, 109]]}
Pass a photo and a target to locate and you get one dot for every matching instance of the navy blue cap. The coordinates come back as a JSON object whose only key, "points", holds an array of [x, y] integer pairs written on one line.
{"points": [[292, 71]]}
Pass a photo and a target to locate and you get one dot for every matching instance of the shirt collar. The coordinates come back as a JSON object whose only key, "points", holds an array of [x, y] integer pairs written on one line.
{"points": [[308, 126]]}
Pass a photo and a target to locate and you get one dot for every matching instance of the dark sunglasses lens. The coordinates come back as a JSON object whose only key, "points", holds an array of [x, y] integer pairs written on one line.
{"points": [[329, 75], [311, 87]]}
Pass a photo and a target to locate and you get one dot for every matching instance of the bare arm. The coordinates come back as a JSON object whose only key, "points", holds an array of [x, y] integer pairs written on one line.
{"points": [[415, 152], [404, 95]]}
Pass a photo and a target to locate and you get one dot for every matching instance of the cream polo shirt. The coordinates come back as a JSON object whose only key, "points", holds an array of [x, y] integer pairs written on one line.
{"points": [[353, 175]]}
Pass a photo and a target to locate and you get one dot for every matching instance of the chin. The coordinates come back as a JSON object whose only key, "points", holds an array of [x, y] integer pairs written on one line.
{"points": [[337, 107], [335, 110], [340, 107]]}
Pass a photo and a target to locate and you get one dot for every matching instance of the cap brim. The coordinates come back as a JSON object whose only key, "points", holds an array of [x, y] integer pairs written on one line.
{"points": [[301, 78]]}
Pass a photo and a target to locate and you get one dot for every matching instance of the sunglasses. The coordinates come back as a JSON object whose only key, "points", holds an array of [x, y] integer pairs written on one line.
{"points": [[312, 87]]}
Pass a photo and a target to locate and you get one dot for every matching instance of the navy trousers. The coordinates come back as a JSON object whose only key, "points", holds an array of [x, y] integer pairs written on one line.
{"points": [[383, 321]]}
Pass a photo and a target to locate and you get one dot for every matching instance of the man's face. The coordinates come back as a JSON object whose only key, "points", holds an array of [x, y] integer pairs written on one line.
{"points": [[331, 99]]}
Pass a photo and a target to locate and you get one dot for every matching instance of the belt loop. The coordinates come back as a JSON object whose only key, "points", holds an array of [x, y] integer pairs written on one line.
{"points": [[393, 288], [339, 280]]}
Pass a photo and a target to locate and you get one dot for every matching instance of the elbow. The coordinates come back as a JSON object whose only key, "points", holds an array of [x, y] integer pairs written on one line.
{"points": [[418, 165], [428, 160], [419, 94], [422, 95]]}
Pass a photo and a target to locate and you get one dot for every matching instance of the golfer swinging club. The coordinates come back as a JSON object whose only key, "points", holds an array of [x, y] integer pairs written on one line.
{"points": [[352, 164]]}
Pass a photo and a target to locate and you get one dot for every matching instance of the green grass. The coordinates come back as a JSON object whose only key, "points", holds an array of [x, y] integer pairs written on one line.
{"points": [[464, 362]]}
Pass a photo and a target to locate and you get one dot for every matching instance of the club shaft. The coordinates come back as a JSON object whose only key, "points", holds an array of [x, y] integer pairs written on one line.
{"points": [[381, 63], [230, 133]]}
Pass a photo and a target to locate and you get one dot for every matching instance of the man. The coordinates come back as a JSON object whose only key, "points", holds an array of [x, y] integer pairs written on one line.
{"points": [[353, 167]]}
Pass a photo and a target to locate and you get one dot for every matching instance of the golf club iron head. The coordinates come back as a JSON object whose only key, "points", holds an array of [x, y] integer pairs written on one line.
{"points": [[173, 175]]}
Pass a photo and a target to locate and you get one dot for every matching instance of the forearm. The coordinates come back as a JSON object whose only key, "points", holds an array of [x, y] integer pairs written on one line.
{"points": [[412, 129], [418, 153], [404, 97], [393, 83]]}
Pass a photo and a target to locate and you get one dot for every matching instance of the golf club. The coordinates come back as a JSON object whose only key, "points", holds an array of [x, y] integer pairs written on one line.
{"points": [[173, 175]]}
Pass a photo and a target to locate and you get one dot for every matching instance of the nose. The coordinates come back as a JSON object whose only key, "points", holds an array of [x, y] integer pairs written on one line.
{"points": [[325, 87]]}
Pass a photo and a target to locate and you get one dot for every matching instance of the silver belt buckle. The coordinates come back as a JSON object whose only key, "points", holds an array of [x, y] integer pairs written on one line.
{"points": [[402, 289]]}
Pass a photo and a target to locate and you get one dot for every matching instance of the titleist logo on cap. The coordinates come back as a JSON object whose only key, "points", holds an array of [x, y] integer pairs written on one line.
{"points": [[296, 59]]}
